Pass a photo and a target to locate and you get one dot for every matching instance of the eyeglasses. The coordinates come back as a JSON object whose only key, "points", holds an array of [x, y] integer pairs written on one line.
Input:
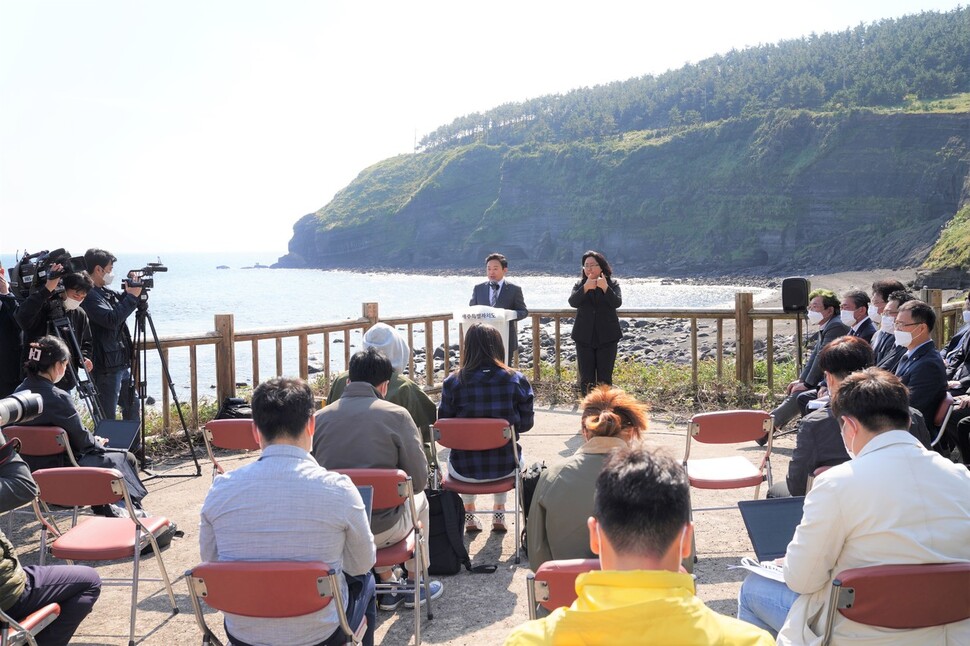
{"points": [[590, 266], [898, 324]]}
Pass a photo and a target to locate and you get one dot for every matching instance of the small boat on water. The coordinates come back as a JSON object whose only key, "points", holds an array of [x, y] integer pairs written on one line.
{"points": [[223, 267]]}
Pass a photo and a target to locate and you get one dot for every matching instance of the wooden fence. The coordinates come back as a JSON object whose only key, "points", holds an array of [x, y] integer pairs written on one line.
{"points": [[744, 317]]}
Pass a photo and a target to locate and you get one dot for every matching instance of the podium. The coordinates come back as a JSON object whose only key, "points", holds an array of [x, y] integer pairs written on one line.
{"points": [[492, 316]]}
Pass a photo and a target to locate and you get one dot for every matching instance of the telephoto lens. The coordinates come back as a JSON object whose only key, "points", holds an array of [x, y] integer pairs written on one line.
{"points": [[20, 407]]}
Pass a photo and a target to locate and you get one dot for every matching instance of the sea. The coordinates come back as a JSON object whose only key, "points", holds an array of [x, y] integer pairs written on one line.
{"points": [[187, 296]]}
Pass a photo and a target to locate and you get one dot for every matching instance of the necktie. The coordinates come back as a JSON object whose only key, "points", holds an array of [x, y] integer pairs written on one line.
{"points": [[493, 295]]}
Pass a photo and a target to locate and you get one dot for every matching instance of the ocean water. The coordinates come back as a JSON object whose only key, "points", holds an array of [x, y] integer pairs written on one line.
{"points": [[187, 296]]}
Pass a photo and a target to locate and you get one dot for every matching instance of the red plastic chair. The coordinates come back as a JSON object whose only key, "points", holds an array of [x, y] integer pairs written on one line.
{"points": [[99, 538], [814, 474], [234, 434], [268, 589], [42, 441], [553, 585], [479, 434], [940, 420], [901, 596], [14, 633], [392, 488]]}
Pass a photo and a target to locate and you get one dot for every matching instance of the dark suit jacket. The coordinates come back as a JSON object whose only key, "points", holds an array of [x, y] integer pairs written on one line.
{"points": [[958, 363], [510, 298], [812, 373], [925, 376], [887, 352], [596, 311], [865, 331], [819, 444]]}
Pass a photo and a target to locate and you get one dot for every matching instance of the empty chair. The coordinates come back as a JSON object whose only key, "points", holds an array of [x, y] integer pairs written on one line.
{"points": [[14, 633], [942, 417], [234, 434], [730, 472], [553, 585], [269, 589], [99, 538]]}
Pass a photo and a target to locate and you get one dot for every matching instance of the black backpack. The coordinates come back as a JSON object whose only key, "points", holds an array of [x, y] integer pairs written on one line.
{"points": [[234, 408], [446, 544]]}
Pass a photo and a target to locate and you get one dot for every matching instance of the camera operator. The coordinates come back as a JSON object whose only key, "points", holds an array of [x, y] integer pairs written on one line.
{"points": [[24, 590], [107, 311], [10, 360], [46, 303]]}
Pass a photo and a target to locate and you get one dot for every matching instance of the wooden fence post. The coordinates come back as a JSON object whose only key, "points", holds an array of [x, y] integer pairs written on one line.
{"points": [[934, 298], [370, 312], [225, 357], [744, 338]]}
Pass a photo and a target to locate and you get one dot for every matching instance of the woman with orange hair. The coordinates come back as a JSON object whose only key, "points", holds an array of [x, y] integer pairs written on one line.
{"points": [[563, 498]]}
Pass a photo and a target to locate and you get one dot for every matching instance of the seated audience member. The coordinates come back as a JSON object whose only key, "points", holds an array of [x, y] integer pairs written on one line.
{"points": [[36, 318], [640, 529], [485, 387], [46, 365], [400, 390], [920, 369], [285, 507], [963, 428], [889, 353], [563, 498], [823, 310], [10, 347], [956, 355], [819, 440], [881, 291], [363, 431], [24, 590], [846, 524]]}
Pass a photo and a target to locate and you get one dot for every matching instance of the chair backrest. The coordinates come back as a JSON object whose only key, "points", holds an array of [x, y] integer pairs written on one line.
{"points": [[814, 474], [729, 426], [41, 440], [238, 434], [904, 596], [80, 486], [472, 433], [274, 589], [943, 410], [554, 584], [391, 486]]}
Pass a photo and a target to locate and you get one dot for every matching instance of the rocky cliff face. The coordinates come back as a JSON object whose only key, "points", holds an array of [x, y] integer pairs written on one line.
{"points": [[793, 192]]}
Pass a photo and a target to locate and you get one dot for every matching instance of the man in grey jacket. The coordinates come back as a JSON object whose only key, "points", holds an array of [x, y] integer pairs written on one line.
{"points": [[363, 431]]}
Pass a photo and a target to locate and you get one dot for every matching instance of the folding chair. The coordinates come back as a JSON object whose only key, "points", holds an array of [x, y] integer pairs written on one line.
{"points": [[269, 590], [14, 633], [235, 434], [99, 538], [942, 417], [901, 596], [734, 472], [553, 585], [41, 441], [392, 488], [814, 474], [480, 434]]}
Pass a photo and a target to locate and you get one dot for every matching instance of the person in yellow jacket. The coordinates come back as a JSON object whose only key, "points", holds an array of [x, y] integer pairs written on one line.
{"points": [[640, 529]]}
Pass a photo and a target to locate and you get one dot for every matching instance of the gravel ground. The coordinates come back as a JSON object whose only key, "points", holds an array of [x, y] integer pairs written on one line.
{"points": [[475, 609]]}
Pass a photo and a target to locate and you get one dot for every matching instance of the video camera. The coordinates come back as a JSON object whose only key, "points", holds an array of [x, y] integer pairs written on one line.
{"points": [[20, 407], [34, 269], [144, 277]]}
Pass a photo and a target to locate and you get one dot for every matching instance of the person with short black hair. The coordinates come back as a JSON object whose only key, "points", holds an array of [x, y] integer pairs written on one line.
{"points": [[921, 368], [108, 310], [286, 507], [855, 314], [500, 293], [883, 341], [641, 529], [10, 345], [894, 503], [362, 430]]}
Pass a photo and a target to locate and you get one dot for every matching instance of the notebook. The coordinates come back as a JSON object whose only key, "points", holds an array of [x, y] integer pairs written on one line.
{"points": [[367, 495], [771, 524], [121, 434]]}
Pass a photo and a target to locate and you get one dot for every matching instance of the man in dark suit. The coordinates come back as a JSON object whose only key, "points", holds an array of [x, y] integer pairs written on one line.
{"points": [[921, 369], [881, 291], [888, 353], [956, 356], [498, 292], [819, 440], [823, 310]]}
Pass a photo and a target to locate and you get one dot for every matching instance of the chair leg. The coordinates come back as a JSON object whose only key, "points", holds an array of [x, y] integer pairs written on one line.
{"points": [[515, 507], [134, 588]]}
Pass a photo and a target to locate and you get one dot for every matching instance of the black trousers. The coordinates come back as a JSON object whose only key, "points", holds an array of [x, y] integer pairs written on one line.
{"points": [[74, 587], [962, 433], [595, 365]]}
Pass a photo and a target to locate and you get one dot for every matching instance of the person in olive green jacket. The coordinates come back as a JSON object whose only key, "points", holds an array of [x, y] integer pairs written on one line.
{"points": [[24, 590]]}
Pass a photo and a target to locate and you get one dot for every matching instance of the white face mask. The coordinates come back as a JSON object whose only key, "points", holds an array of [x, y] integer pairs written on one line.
{"points": [[848, 318], [888, 324], [966, 316], [903, 337], [873, 312], [847, 445], [814, 317], [70, 304], [109, 278]]}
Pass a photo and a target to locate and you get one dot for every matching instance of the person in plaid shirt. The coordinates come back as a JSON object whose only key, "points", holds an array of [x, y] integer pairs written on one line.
{"points": [[485, 387]]}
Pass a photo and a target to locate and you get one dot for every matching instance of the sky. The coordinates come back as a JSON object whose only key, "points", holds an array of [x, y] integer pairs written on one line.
{"points": [[213, 125]]}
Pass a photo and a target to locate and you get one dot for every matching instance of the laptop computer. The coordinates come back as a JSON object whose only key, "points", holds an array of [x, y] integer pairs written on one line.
{"points": [[121, 434], [367, 495], [771, 524]]}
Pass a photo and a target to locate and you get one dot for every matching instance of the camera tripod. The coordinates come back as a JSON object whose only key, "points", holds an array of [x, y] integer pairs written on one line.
{"points": [[60, 326], [139, 366]]}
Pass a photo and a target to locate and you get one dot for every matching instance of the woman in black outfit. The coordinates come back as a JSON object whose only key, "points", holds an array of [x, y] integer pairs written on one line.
{"points": [[46, 364], [597, 329]]}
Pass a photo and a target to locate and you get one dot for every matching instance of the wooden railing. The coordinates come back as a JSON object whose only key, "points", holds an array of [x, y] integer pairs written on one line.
{"points": [[440, 327]]}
